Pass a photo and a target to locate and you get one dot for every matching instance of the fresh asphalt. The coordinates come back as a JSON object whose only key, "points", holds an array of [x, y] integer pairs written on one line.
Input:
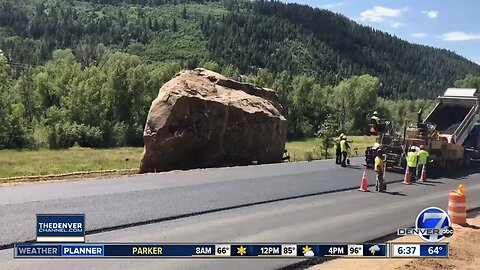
{"points": [[293, 202]]}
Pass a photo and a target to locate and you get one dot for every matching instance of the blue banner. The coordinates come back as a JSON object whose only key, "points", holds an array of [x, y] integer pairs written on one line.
{"points": [[64, 228], [434, 250], [151, 250]]}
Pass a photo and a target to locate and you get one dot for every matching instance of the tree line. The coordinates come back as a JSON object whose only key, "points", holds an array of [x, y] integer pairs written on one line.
{"points": [[105, 105], [59, 104]]}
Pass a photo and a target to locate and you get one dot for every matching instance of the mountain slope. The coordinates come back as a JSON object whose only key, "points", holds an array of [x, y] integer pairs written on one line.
{"points": [[248, 35], [329, 46]]}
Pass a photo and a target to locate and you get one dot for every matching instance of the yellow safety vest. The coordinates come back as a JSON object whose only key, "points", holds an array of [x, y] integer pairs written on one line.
{"points": [[337, 146], [412, 159], [422, 157], [343, 146], [378, 164]]}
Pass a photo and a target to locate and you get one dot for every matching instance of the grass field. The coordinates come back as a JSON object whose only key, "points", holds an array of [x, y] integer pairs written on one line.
{"points": [[48, 162], [301, 150], [76, 159]]}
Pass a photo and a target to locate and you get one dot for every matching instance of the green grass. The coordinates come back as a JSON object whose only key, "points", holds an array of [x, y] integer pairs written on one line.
{"points": [[47, 162]]}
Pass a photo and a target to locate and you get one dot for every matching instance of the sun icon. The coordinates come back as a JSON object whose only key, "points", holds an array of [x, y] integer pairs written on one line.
{"points": [[306, 249], [241, 250]]}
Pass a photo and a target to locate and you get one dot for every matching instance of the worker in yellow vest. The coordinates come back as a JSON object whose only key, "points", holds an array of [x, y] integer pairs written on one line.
{"points": [[344, 148], [422, 158], [379, 169], [412, 159], [338, 151]]}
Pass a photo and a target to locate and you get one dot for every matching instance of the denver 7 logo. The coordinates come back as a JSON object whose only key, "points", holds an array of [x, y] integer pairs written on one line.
{"points": [[433, 218]]}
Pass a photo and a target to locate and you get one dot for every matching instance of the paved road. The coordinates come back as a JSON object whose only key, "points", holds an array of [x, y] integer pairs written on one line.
{"points": [[128, 200], [347, 216]]}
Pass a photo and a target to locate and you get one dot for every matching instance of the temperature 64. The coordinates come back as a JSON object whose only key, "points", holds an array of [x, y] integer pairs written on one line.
{"points": [[435, 250]]}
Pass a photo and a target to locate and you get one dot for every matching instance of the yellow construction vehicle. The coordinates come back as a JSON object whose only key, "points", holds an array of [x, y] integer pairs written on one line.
{"points": [[450, 132]]}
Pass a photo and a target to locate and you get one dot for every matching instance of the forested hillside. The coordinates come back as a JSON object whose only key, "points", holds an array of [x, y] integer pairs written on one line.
{"points": [[304, 40], [86, 71]]}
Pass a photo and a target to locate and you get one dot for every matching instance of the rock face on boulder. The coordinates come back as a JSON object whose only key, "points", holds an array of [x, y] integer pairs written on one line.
{"points": [[203, 119]]}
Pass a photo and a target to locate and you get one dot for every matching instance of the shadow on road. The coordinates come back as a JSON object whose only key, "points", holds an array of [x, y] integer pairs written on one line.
{"points": [[427, 184], [475, 227], [395, 193], [435, 182]]}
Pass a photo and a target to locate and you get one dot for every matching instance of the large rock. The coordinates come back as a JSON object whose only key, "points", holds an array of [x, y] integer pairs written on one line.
{"points": [[203, 119]]}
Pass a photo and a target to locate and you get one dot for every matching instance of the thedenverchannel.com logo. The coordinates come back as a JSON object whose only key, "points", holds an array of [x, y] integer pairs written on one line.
{"points": [[432, 225], [60, 228]]}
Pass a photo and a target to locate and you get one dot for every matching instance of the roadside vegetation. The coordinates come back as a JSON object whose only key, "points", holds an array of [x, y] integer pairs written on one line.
{"points": [[24, 163], [15, 163]]}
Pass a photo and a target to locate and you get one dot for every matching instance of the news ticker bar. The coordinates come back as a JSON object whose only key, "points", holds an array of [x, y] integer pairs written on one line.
{"points": [[104, 250]]}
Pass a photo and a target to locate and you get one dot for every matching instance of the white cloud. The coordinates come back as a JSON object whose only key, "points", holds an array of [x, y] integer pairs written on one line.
{"points": [[419, 35], [432, 14], [333, 5], [378, 14], [396, 24], [459, 36]]}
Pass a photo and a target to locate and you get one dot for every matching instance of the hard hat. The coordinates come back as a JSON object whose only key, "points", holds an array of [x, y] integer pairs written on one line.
{"points": [[422, 146], [413, 148], [341, 135], [344, 137], [375, 113]]}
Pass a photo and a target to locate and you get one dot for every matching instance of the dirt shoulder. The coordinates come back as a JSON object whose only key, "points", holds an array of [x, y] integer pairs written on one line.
{"points": [[464, 254], [21, 180]]}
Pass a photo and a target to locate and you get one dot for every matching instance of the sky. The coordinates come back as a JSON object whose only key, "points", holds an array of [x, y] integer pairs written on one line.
{"points": [[448, 24]]}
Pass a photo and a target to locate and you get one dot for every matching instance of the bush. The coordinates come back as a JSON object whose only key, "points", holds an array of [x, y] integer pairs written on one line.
{"points": [[128, 135], [119, 130], [65, 135], [62, 135], [212, 65], [88, 136], [40, 136], [308, 156], [134, 135]]}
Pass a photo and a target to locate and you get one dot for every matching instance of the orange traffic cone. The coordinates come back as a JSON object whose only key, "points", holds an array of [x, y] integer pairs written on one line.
{"points": [[423, 178], [407, 180], [363, 184]]}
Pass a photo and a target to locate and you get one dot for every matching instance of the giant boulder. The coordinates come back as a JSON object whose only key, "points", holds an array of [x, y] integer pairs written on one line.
{"points": [[203, 119]]}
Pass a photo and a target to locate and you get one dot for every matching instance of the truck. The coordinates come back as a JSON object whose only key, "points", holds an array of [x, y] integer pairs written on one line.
{"points": [[450, 133]]}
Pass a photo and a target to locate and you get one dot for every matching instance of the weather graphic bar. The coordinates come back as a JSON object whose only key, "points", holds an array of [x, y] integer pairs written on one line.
{"points": [[199, 250]]}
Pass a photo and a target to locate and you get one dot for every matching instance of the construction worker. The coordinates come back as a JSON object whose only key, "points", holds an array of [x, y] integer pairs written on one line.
{"points": [[379, 169], [286, 156], [422, 158], [375, 119], [412, 163], [374, 123], [338, 151], [344, 148]]}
